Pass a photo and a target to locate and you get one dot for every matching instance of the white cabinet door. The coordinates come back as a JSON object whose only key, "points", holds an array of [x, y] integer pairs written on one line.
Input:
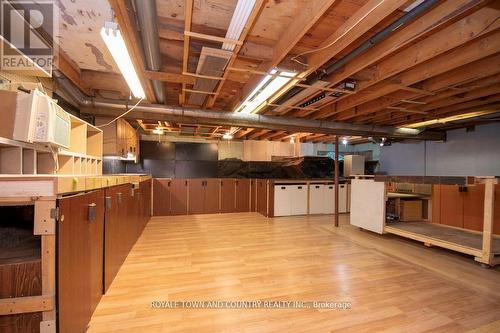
{"points": [[298, 199], [316, 199], [282, 200], [329, 199], [343, 198]]}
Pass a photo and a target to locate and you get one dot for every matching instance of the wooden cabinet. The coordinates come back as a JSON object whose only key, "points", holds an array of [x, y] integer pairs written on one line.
{"points": [[464, 208], [119, 137], [227, 195], [80, 259], [203, 196], [95, 233], [170, 197], [242, 192], [161, 197], [451, 206], [178, 196], [115, 229]]}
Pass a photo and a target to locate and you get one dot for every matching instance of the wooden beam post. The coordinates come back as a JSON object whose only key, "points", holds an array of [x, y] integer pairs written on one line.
{"points": [[336, 178], [489, 209]]}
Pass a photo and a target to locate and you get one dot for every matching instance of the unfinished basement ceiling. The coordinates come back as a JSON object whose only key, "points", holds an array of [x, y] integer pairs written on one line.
{"points": [[408, 76], [80, 23]]}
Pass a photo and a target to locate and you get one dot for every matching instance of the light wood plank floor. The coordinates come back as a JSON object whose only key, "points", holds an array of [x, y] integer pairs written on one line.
{"points": [[394, 285]]}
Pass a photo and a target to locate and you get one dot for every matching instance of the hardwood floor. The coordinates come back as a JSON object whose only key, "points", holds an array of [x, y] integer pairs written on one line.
{"points": [[394, 285]]}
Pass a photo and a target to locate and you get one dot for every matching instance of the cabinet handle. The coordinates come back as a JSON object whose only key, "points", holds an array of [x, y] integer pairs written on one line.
{"points": [[186, 183], [91, 212], [107, 203], [299, 187], [317, 186], [119, 197], [283, 187], [330, 187]]}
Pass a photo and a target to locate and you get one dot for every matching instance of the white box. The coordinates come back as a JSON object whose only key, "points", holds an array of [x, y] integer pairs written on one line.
{"points": [[354, 165]]}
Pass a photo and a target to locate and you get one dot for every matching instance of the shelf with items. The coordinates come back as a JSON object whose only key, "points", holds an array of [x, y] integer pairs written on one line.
{"points": [[32, 145]]}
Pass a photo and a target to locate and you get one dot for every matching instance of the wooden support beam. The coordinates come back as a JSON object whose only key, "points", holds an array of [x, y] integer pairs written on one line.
{"points": [[169, 77], [197, 35], [363, 20], [188, 15], [199, 91], [488, 219], [336, 180], [471, 52], [17, 305], [242, 132], [400, 109], [210, 77], [438, 17]]}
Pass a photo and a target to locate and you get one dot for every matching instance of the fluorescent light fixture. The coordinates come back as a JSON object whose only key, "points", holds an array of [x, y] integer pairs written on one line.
{"points": [[227, 136], [445, 120], [265, 89], [116, 46], [238, 22], [158, 131], [413, 5]]}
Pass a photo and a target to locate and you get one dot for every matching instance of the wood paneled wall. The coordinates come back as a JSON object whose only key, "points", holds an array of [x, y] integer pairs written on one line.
{"points": [[463, 207]]}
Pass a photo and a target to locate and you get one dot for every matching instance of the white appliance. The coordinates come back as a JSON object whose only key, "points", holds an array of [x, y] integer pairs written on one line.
{"points": [[38, 119], [354, 165], [53, 124]]}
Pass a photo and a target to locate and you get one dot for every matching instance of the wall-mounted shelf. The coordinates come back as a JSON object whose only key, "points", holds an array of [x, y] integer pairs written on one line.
{"points": [[84, 156]]}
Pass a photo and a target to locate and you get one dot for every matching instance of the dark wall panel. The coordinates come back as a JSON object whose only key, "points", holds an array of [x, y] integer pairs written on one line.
{"points": [[195, 169], [158, 150], [170, 160], [196, 152]]}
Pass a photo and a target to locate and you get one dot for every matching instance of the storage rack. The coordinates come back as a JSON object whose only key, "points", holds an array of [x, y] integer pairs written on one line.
{"points": [[83, 157]]}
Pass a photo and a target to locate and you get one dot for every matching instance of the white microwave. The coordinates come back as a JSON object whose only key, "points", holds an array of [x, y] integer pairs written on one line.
{"points": [[39, 119]]}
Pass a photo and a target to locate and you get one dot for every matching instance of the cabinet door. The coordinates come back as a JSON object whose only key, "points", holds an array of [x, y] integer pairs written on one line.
{"points": [[212, 188], [282, 200], [96, 230], [196, 196], [262, 196], [473, 201], [178, 197], [227, 195], [316, 199], [243, 195], [436, 204], [161, 197], [452, 205], [343, 198], [79, 260], [253, 195], [114, 230], [329, 199], [298, 199]]}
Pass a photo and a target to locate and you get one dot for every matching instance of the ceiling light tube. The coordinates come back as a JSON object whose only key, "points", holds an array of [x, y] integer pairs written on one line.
{"points": [[238, 22], [116, 45], [264, 90]]}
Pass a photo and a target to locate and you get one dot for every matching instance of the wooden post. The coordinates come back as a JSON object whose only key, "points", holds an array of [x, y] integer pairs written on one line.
{"points": [[336, 178], [489, 208]]}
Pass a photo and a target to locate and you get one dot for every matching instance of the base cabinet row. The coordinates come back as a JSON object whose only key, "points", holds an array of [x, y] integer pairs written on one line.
{"points": [[96, 231], [313, 198], [202, 196]]}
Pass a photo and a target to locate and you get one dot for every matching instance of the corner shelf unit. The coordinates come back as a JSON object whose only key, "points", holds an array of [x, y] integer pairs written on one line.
{"points": [[83, 157]]}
